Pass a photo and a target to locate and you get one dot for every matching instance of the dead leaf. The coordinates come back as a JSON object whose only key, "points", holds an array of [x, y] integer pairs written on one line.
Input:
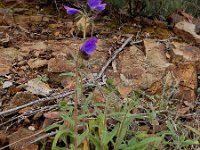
{"points": [[83, 23]]}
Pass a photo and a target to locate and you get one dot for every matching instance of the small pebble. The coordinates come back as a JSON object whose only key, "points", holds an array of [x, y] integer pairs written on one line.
{"points": [[31, 128], [7, 84]]}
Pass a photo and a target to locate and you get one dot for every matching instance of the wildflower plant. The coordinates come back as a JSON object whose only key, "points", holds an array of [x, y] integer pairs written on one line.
{"points": [[72, 117], [95, 7]]}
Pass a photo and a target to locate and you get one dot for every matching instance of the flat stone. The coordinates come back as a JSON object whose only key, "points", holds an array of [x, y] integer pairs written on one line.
{"points": [[7, 84], [142, 69], [186, 76], [187, 31], [19, 10], [21, 98], [29, 46], [184, 53], [22, 20], [36, 18], [8, 55], [22, 144], [60, 65], [37, 63], [38, 87]]}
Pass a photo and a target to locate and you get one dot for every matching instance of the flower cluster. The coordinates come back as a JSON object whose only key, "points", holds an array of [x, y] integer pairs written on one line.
{"points": [[95, 5]]}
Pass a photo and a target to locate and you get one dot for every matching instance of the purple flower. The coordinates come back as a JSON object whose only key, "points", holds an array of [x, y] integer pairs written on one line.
{"points": [[71, 11], [89, 46], [96, 4]]}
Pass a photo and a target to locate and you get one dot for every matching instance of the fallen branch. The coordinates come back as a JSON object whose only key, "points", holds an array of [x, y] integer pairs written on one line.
{"points": [[13, 110], [30, 113], [115, 55]]}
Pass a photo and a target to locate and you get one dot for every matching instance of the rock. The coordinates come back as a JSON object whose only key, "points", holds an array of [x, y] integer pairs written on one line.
{"points": [[31, 147], [142, 70], [7, 84], [21, 98], [45, 19], [8, 20], [179, 16], [7, 56], [124, 90], [31, 128], [187, 63], [98, 96], [19, 10], [36, 46], [186, 31], [186, 76], [3, 139], [22, 138], [22, 20], [37, 63], [2, 29], [60, 65], [184, 53], [38, 87], [36, 18]]}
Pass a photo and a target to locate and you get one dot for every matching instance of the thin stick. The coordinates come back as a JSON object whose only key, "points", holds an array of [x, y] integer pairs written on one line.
{"points": [[41, 131], [30, 113], [115, 55], [44, 136], [13, 110]]}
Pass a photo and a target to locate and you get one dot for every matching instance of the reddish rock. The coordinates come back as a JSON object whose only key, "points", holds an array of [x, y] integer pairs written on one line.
{"points": [[182, 53], [22, 20], [7, 57], [60, 65], [22, 138], [3, 139], [187, 31], [37, 63], [36, 18], [142, 69], [21, 98]]}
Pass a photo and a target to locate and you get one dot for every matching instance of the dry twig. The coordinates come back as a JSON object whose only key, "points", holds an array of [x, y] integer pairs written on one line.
{"points": [[115, 55], [54, 97]]}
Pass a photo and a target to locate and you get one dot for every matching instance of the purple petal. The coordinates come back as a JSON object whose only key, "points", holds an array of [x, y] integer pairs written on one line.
{"points": [[93, 3], [101, 7], [71, 11], [89, 46]]}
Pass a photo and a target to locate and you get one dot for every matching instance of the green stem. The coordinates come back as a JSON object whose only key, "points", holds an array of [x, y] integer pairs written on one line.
{"points": [[76, 105], [84, 28]]}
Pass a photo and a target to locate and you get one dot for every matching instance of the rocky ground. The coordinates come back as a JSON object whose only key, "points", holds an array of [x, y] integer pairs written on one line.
{"points": [[36, 48]]}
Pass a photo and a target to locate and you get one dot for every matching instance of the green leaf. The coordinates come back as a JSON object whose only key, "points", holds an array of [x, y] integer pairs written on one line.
{"points": [[81, 137], [87, 102], [171, 128], [189, 143], [83, 116], [56, 138], [124, 128], [145, 142], [193, 130], [63, 105], [55, 125], [108, 136], [94, 140], [67, 118]]}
